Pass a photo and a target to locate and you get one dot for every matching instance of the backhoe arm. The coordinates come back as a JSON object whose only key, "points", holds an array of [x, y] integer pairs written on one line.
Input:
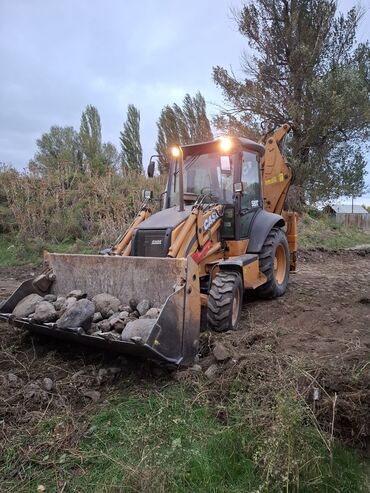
{"points": [[276, 173]]}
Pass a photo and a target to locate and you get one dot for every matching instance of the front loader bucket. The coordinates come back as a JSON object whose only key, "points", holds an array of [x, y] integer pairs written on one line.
{"points": [[170, 284]]}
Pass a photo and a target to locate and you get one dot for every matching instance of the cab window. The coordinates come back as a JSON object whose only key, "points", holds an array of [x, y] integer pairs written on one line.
{"points": [[251, 197]]}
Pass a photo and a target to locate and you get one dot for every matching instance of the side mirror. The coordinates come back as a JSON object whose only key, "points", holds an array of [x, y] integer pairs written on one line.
{"points": [[146, 195], [151, 168]]}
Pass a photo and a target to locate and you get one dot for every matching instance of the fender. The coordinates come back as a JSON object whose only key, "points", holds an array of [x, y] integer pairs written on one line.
{"points": [[261, 225]]}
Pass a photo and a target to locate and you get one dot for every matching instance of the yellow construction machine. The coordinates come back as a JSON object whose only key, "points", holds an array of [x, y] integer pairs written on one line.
{"points": [[221, 231]]}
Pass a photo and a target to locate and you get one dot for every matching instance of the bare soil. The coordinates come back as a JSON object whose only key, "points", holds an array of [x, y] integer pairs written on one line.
{"points": [[323, 320]]}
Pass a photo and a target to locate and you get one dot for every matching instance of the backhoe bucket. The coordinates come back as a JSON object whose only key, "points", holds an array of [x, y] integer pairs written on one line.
{"points": [[170, 284]]}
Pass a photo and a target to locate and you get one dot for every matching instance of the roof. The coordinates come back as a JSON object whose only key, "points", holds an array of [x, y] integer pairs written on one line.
{"points": [[348, 209]]}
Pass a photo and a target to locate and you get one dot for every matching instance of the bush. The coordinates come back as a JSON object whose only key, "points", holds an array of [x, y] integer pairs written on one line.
{"points": [[57, 207]]}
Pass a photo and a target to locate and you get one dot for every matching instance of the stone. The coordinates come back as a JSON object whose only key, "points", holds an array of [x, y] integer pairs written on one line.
{"points": [[195, 368], [33, 391], [110, 336], [94, 395], [68, 303], [211, 372], [58, 304], [125, 308], [97, 317], [143, 307], [80, 314], [51, 298], [104, 326], [220, 352], [48, 384], [151, 313], [106, 304], [27, 306], [132, 304], [45, 312], [119, 325], [139, 328], [124, 314], [12, 379], [77, 293]]}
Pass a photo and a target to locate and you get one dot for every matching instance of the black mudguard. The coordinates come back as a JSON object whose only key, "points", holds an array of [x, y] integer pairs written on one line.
{"points": [[261, 225]]}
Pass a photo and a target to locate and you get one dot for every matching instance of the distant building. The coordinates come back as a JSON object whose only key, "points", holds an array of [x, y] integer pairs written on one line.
{"points": [[345, 209], [349, 215]]}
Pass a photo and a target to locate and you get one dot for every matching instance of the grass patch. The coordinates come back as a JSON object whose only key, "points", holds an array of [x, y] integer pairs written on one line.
{"points": [[321, 231], [15, 252], [163, 441]]}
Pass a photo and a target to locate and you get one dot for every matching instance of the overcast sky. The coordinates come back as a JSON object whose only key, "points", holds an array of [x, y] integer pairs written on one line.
{"points": [[58, 56]]}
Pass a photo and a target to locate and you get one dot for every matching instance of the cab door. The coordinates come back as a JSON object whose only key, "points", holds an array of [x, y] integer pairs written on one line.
{"points": [[251, 196]]}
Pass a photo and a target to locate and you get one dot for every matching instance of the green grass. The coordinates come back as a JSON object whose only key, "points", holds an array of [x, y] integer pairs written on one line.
{"points": [[321, 231], [163, 441], [14, 252]]}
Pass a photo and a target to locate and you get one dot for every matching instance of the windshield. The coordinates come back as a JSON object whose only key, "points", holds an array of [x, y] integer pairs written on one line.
{"points": [[204, 174]]}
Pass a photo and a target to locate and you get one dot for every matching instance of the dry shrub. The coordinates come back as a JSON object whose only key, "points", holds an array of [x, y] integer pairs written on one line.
{"points": [[69, 206]]}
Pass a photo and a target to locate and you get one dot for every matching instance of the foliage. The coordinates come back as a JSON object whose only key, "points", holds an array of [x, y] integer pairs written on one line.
{"points": [[182, 125], [144, 440], [131, 150], [316, 230], [98, 158], [68, 207], [305, 68], [58, 150]]}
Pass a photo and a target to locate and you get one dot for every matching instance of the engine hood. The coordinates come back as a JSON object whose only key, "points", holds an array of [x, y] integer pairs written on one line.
{"points": [[167, 218]]}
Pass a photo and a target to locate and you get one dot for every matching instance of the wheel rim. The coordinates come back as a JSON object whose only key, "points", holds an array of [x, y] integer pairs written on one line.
{"points": [[236, 307], [280, 264]]}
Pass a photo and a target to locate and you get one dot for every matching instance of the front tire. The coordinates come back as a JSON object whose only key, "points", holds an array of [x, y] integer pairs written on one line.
{"points": [[225, 301], [274, 263]]}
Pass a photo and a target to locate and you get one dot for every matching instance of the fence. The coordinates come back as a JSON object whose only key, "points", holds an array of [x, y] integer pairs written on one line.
{"points": [[361, 221]]}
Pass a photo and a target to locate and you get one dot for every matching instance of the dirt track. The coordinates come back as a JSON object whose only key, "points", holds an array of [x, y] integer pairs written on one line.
{"points": [[324, 317]]}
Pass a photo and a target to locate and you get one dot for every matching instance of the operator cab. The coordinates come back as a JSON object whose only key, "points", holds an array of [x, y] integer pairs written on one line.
{"points": [[225, 170]]}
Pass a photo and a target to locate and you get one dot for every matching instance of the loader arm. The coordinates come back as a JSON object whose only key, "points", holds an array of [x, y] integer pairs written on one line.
{"points": [[123, 244], [276, 180]]}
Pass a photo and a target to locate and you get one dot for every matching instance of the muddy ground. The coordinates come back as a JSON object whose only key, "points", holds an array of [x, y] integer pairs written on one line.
{"points": [[323, 320]]}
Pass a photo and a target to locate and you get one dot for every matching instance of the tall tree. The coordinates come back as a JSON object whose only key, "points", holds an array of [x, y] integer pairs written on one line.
{"points": [[91, 140], [58, 150], [131, 150], [182, 125], [306, 68]]}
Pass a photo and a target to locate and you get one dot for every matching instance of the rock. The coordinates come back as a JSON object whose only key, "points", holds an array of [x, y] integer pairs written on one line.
{"points": [[13, 380], [135, 329], [58, 304], [33, 391], [68, 303], [104, 326], [51, 298], [77, 293], [125, 308], [48, 384], [220, 352], [151, 313], [143, 307], [80, 314], [27, 306], [105, 303], [211, 372], [110, 336], [132, 304], [124, 314], [45, 312], [119, 325], [196, 368], [94, 395], [97, 317]]}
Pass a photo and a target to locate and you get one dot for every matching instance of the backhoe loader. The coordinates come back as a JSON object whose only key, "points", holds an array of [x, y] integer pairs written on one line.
{"points": [[221, 231]]}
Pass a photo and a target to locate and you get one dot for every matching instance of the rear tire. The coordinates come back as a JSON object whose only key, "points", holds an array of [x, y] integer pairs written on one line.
{"points": [[225, 301], [274, 263]]}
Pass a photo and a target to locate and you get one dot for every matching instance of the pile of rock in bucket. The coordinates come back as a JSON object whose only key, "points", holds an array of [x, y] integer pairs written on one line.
{"points": [[103, 316]]}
